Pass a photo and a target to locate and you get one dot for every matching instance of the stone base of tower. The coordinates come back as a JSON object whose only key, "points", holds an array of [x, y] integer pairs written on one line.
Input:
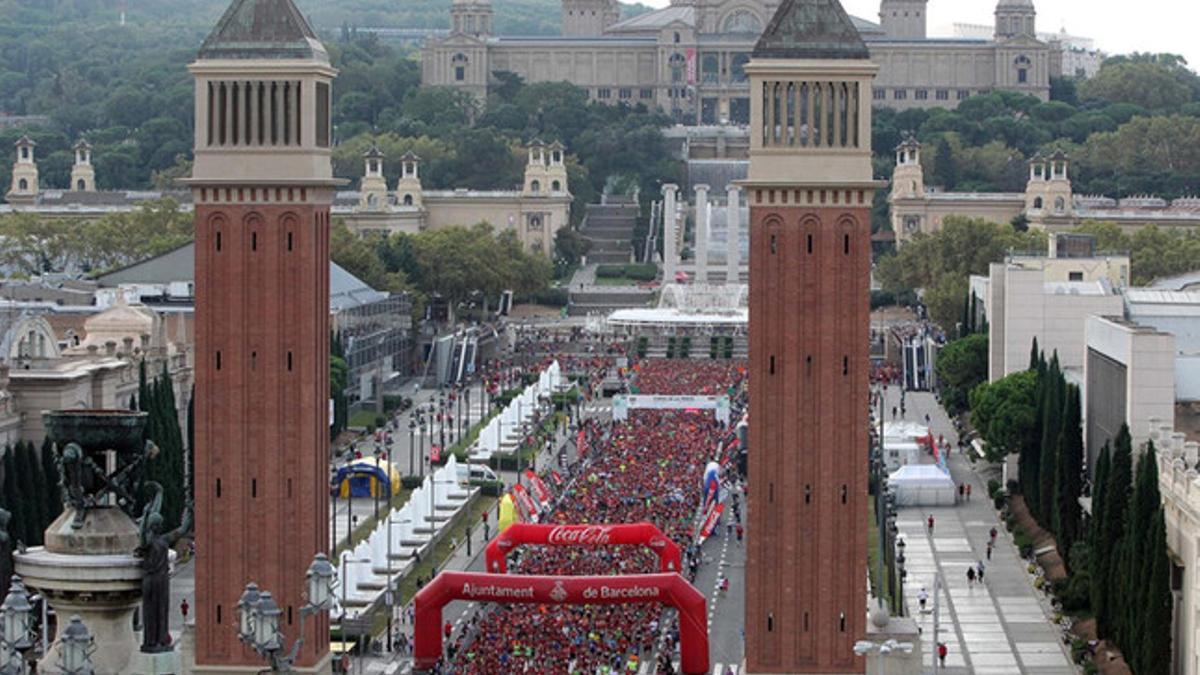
{"points": [[324, 667]]}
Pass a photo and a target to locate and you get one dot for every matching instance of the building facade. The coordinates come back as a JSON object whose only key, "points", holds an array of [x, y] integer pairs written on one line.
{"points": [[1048, 202], [262, 185], [535, 212], [689, 58], [810, 191]]}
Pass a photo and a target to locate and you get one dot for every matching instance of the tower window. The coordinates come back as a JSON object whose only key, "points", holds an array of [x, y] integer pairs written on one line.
{"points": [[845, 365], [772, 244], [810, 243], [289, 361], [842, 622], [844, 494], [289, 244], [218, 360], [218, 242], [80, 186], [771, 492], [253, 488], [846, 244], [772, 365], [807, 494], [322, 115], [24, 184], [218, 613], [253, 241], [218, 488], [770, 622], [253, 360]]}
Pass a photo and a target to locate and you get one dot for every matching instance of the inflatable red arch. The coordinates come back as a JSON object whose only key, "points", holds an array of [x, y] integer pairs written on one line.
{"points": [[667, 589], [644, 534]]}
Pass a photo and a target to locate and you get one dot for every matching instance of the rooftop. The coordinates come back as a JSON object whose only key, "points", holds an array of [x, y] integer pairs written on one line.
{"points": [[811, 29], [263, 29]]}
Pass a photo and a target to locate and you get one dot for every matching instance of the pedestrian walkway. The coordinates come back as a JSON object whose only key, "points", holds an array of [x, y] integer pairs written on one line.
{"points": [[999, 626]]}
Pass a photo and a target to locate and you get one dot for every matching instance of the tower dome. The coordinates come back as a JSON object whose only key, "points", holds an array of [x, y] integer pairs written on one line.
{"points": [[1015, 18]]}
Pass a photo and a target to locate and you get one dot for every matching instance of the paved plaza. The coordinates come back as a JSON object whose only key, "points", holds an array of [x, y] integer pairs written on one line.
{"points": [[998, 627]]}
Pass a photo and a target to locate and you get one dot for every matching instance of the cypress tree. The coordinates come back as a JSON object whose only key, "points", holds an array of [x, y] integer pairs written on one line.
{"points": [[191, 443], [14, 498], [1156, 635], [31, 478], [1116, 505], [1143, 504], [52, 491], [1029, 461], [1051, 422], [1098, 562], [1070, 469], [1034, 355], [162, 427]]}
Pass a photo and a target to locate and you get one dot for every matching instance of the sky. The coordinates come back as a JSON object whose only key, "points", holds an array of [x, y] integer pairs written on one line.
{"points": [[1148, 25]]}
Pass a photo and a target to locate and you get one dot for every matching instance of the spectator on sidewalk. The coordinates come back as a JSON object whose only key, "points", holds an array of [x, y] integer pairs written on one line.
{"points": [[942, 651]]}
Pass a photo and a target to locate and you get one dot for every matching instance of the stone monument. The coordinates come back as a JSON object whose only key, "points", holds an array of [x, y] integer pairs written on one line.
{"points": [[89, 565]]}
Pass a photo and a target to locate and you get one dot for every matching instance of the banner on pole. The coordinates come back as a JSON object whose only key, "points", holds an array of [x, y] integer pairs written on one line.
{"points": [[623, 403], [710, 521]]}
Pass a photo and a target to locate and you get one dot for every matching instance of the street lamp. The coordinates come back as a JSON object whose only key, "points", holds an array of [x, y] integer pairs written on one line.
{"points": [[16, 632], [864, 647], [77, 646], [258, 615]]}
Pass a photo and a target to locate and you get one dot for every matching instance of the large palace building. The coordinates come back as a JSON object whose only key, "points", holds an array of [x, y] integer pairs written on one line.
{"points": [[688, 58]]}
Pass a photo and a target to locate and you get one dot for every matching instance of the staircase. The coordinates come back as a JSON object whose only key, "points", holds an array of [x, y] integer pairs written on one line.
{"points": [[609, 227]]}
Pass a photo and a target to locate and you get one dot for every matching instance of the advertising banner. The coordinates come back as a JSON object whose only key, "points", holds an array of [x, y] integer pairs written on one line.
{"points": [[710, 521], [628, 534], [622, 404], [539, 488]]}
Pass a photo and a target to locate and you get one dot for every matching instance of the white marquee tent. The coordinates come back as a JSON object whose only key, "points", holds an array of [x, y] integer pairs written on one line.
{"points": [[922, 485]]}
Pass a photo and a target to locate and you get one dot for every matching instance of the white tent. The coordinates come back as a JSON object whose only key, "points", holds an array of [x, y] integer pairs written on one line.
{"points": [[898, 453], [922, 485]]}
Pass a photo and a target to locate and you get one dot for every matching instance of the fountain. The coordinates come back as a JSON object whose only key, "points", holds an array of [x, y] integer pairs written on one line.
{"points": [[89, 565]]}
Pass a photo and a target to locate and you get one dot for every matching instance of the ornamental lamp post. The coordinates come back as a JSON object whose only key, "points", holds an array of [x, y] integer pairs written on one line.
{"points": [[259, 615], [246, 607], [75, 656], [16, 633]]}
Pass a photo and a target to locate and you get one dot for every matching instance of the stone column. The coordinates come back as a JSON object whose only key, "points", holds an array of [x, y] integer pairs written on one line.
{"points": [[670, 223], [732, 233], [701, 234]]}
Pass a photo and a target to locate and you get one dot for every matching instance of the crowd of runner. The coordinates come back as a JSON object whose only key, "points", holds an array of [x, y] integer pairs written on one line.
{"points": [[645, 469]]}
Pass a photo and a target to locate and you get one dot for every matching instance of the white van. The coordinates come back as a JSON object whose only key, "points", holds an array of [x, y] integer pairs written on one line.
{"points": [[475, 473]]}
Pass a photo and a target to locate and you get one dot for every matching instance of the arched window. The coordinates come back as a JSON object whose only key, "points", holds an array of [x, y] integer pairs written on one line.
{"points": [[556, 186], [23, 184], [408, 200], [459, 61], [372, 201], [80, 185], [1023, 64], [743, 21], [677, 62], [1060, 205], [1037, 203], [535, 222], [535, 186]]}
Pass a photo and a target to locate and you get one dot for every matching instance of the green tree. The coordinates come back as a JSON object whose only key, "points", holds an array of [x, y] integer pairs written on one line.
{"points": [[157, 399], [1054, 386], [941, 262], [945, 172], [1116, 505], [961, 366], [1003, 412], [1155, 647], [1098, 534], [1144, 503], [1069, 481], [1150, 85], [30, 471], [20, 527]]}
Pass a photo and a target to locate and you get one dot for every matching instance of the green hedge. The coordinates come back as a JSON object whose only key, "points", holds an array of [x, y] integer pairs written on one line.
{"points": [[635, 271], [410, 482]]}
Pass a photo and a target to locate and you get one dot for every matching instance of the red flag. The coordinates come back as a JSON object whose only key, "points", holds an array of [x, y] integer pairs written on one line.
{"points": [[710, 521]]}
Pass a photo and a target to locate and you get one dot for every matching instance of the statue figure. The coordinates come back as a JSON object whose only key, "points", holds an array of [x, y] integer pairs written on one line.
{"points": [[6, 555], [155, 552]]}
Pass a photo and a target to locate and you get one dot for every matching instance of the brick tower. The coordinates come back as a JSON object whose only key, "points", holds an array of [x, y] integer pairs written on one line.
{"points": [[262, 185], [810, 190]]}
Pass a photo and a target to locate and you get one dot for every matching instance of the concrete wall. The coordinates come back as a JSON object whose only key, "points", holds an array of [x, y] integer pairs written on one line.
{"points": [[1179, 484], [1149, 358]]}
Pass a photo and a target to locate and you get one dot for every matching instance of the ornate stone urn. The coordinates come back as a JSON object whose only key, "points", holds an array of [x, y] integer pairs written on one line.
{"points": [[88, 565]]}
